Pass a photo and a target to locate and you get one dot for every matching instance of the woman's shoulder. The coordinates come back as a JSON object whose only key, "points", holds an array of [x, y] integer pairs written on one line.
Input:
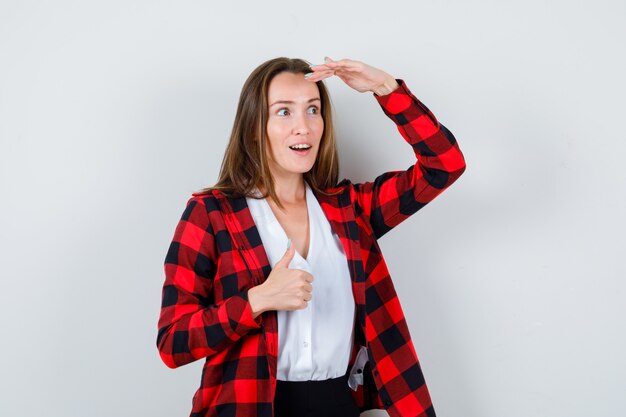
{"points": [[215, 199], [203, 194], [203, 200], [212, 194]]}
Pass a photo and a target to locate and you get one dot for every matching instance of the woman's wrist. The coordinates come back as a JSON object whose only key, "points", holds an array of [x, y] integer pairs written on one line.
{"points": [[256, 301], [386, 87]]}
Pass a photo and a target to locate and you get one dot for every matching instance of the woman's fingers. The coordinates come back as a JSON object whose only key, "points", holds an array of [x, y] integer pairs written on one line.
{"points": [[319, 66], [347, 64], [321, 75], [354, 73], [321, 71], [342, 63], [332, 66]]}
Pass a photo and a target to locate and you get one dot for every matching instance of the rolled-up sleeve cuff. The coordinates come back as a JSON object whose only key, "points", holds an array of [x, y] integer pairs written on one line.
{"points": [[246, 321]]}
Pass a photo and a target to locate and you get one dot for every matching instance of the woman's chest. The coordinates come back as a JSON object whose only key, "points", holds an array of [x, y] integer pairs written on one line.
{"points": [[295, 222]]}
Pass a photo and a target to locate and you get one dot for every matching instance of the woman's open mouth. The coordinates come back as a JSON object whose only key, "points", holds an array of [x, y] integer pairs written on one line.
{"points": [[301, 150]]}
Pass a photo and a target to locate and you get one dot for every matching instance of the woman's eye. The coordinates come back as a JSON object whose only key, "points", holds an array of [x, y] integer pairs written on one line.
{"points": [[285, 112]]}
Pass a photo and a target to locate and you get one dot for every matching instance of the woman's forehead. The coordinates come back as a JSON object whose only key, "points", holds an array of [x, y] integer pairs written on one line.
{"points": [[288, 87]]}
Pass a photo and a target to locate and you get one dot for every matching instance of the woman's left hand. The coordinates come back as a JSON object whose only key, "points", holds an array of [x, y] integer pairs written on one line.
{"points": [[358, 75]]}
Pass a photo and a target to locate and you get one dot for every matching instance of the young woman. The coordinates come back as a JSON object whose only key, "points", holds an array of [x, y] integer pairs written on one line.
{"points": [[274, 276]]}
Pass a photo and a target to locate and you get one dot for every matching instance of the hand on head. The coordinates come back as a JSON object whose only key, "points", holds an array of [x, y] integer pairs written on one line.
{"points": [[356, 74]]}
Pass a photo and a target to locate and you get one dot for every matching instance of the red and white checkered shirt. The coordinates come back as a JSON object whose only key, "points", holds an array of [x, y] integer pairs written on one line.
{"points": [[217, 255]]}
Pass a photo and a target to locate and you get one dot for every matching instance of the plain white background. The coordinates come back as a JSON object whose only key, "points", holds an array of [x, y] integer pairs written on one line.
{"points": [[512, 281]]}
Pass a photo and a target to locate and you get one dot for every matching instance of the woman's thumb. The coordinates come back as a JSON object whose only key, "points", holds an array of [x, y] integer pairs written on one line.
{"points": [[289, 253]]}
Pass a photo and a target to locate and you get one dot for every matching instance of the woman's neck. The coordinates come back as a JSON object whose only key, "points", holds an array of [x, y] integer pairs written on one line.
{"points": [[292, 191]]}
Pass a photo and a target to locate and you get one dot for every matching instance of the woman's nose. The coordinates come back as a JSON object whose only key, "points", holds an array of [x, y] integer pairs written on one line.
{"points": [[302, 130], [301, 125]]}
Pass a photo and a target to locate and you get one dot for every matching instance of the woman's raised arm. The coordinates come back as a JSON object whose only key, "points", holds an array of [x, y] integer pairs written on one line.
{"points": [[395, 195]]}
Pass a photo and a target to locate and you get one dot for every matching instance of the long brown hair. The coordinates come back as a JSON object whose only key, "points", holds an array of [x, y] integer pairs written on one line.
{"points": [[245, 163]]}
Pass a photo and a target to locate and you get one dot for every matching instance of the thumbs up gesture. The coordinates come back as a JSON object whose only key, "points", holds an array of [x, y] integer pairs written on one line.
{"points": [[284, 288]]}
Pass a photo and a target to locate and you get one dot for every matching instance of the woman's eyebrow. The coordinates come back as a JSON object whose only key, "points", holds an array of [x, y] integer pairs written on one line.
{"points": [[293, 102]]}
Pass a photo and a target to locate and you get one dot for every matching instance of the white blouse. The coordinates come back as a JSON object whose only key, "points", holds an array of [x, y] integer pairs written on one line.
{"points": [[313, 343]]}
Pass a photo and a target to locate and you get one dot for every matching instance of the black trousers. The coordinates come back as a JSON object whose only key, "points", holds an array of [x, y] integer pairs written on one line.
{"points": [[327, 398]]}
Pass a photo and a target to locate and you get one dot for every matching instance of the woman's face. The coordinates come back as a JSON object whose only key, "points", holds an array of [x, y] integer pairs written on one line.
{"points": [[294, 117]]}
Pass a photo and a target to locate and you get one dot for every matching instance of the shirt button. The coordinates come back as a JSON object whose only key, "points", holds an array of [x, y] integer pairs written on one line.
{"points": [[306, 344]]}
